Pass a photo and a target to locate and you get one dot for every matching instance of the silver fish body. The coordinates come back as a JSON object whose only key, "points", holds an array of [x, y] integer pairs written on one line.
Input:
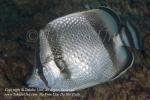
{"points": [[81, 50]]}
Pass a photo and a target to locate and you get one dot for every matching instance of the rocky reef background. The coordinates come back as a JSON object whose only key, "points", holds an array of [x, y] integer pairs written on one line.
{"points": [[18, 18]]}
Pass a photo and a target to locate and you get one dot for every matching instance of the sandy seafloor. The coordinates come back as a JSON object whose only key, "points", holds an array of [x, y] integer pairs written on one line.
{"points": [[17, 18]]}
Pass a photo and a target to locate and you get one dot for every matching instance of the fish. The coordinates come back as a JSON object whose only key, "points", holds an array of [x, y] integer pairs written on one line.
{"points": [[82, 50]]}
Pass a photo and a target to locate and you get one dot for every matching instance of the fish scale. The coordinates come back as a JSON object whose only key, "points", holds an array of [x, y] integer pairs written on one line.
{"points": [[75, 55], [84, 48]]}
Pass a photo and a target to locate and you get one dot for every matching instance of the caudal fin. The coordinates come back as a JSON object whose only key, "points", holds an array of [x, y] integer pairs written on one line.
{"points": [[131, 37]]}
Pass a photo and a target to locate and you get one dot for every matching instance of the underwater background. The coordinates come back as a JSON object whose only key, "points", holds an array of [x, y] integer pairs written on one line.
{"points": [[21, 20]]}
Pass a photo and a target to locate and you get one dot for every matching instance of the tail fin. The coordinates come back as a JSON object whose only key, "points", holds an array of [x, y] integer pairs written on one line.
{"points": [[131, 37]]}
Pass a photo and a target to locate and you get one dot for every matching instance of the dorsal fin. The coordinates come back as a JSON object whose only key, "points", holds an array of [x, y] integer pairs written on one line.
{"points": [[113, 14]]}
